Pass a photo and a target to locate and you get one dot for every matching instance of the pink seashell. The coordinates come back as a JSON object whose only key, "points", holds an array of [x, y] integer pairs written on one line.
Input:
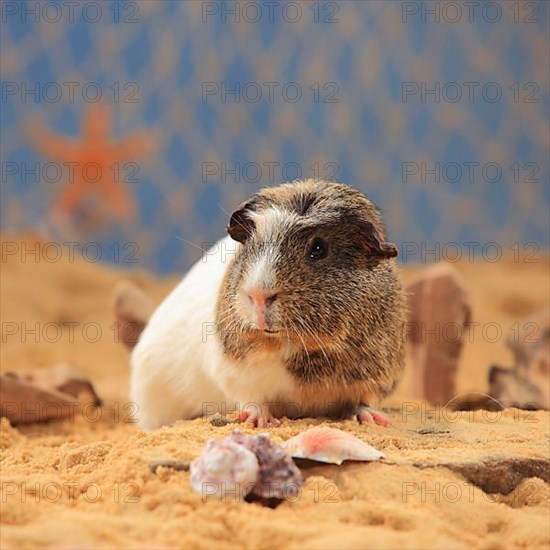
{"points": [[330, 445]]}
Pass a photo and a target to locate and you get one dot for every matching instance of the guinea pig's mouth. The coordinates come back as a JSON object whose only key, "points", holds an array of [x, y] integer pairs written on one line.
{"points": [[270, 331]]}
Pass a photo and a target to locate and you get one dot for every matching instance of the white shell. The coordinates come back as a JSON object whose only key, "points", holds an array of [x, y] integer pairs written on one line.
{"points": [[224, 467]]}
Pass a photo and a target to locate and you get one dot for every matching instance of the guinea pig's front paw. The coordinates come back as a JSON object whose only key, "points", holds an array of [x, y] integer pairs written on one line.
{"points": [[259, 417], [363, 414]]}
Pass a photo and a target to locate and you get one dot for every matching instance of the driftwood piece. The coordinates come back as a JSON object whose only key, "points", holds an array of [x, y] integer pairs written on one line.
{"points": [[527, 384], [498, 475]]}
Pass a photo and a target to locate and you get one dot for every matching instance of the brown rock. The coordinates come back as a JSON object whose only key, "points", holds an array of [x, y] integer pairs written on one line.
{"points": [[44, 395], [439, 310]]}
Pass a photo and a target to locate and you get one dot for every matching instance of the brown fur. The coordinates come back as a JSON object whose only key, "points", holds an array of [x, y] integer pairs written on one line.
{"points": [[341, 317]]}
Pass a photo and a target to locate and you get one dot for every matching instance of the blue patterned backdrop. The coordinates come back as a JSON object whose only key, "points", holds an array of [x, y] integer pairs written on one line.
{"points": [[212, 100]]}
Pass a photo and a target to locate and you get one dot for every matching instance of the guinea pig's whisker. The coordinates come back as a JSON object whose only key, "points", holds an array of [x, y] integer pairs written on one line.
{"points": [[310, 332], [227, 316], [224, 322], [231, 319], [297, 332], [231, 325], [237, 325], [191, 243], [223, 210]]}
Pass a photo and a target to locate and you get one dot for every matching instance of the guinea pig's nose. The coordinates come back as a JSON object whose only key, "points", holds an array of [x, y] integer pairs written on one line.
{"points": [[261, 298]]}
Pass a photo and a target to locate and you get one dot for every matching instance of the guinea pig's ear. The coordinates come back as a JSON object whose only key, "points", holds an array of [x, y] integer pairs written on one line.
{"points": [[375, 245], [240, 224]]}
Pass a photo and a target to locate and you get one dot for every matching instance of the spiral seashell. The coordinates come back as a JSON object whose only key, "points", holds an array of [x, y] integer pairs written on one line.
{"points": [[224, 468]]}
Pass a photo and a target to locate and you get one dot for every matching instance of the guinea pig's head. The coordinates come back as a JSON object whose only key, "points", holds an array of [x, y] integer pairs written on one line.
{"points": [[307, 264]]}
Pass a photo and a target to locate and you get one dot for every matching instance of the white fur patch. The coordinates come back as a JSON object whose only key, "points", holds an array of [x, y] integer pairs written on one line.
{"points": [[268, 223], [261, 377], [260, 275]]}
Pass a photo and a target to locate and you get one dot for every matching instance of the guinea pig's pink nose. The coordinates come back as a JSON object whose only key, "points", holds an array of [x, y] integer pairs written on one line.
{"points": [[260, 301]]}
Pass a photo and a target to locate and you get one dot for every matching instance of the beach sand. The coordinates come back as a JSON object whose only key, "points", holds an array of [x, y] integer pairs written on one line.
{"points": [[87, 482]]}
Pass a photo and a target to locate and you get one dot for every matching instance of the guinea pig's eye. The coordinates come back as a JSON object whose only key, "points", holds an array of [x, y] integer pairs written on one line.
{"points": [[318, 249]]}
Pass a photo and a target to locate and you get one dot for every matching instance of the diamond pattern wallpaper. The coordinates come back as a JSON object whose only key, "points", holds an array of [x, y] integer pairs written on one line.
{"points": [[139, 125]]}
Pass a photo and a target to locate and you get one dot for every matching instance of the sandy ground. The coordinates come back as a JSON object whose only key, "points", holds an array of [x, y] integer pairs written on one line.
{"points": [[86, 483]]}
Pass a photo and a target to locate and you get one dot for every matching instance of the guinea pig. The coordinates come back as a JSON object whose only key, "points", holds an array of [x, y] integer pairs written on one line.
{"points": [[298, 312]]}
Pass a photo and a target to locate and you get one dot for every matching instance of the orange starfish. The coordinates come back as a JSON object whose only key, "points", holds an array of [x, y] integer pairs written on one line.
{"points": [[95, 161]]}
